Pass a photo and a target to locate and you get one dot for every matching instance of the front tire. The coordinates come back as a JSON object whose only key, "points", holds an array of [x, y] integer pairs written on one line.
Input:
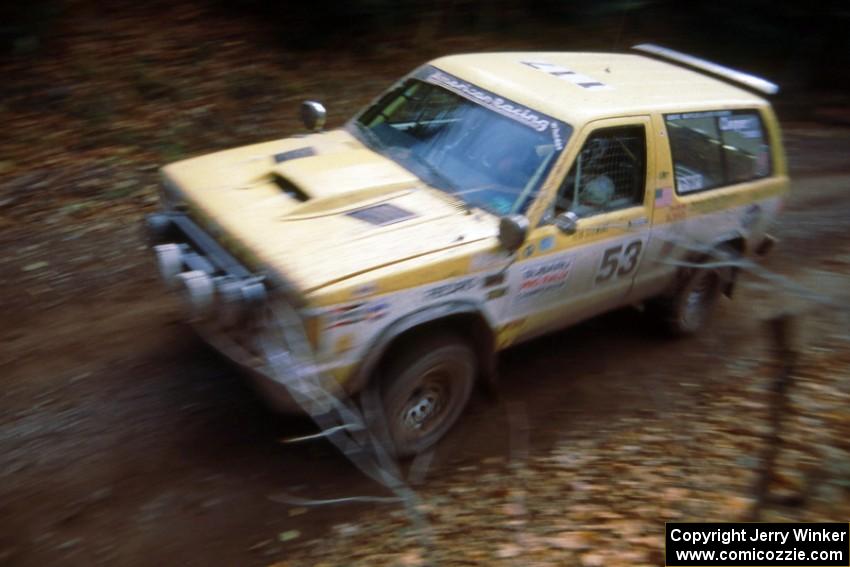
{"points": [[424, 390]]}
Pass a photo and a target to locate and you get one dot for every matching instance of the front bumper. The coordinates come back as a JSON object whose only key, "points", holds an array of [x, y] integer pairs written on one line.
{"points": [[226, 303], [206, 253]]}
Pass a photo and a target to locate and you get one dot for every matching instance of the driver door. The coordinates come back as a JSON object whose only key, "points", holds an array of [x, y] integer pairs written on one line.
{"points": [[563, 278]]}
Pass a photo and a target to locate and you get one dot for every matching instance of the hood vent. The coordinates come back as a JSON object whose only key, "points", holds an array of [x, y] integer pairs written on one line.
{"points": [[291, 189], [294, 154], [381, 215]]}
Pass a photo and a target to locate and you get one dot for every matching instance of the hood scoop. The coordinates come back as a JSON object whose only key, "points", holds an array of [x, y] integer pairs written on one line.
{"points": [[382, 215], [290, 188], [294, 154]]}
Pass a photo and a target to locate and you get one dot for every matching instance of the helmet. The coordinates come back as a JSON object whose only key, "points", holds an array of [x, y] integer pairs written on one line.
{"points": [[598, 191]]}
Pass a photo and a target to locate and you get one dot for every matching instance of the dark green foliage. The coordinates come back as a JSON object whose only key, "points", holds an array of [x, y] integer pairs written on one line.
{"points": [[23, 25], [800, 45]]}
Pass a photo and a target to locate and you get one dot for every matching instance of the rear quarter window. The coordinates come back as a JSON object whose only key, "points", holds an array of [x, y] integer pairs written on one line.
{"points": [[717, 148]]}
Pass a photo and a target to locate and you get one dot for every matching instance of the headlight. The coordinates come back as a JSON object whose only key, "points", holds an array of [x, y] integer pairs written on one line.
{"points": [[237, 298], [169, 258], [226, 300], [198, 293]]}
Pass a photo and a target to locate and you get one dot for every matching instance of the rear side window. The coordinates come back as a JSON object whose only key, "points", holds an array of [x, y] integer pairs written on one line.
{"points": [[717, 148]]}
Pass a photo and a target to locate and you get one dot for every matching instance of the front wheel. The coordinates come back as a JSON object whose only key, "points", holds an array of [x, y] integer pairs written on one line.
{"points": [[424, 390]]}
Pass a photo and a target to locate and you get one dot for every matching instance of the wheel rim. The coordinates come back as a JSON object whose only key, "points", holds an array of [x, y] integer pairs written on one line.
{"points": [[426, 406]]}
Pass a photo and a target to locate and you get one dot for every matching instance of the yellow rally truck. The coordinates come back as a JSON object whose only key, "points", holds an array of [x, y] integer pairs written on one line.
{"points": [[481, 201]]}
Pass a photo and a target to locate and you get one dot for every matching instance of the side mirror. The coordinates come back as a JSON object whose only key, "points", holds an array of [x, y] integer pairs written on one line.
{"points": [[567, 222], [513, 230], [313, 115]]}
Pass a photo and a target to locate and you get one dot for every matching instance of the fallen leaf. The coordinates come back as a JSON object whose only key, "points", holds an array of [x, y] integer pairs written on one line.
{"points": [[571, 540], [592, 560], [259, 545], [651, 541], [411, 559], [35, 266], [288, 535], [508, 550], [738, 505]]}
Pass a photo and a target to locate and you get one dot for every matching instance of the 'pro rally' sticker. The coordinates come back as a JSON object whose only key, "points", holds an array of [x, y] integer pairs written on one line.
{"points": [[544, 277]]}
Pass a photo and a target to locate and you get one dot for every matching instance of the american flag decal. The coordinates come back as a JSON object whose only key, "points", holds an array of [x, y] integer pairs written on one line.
{"points": [[663, 197]]}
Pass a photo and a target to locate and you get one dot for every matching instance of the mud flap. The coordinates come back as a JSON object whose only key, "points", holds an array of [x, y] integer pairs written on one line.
{"points": [[766, 245], [730, 277]]}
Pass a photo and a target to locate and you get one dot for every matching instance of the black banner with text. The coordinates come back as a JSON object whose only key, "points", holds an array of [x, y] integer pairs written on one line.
{"points": [[762, 545]]}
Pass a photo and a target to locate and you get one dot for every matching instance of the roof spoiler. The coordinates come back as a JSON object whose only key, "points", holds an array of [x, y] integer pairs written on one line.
{"points": [[744, 79]]}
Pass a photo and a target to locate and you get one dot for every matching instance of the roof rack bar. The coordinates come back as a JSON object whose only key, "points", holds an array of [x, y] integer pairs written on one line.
{"points": [[745, 79]]}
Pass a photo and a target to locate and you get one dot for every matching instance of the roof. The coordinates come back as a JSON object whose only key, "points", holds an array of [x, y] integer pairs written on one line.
{"points": [[579, 87]]}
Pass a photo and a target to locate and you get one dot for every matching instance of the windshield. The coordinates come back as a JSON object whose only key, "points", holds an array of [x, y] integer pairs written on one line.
{"points": [[486, 150]]}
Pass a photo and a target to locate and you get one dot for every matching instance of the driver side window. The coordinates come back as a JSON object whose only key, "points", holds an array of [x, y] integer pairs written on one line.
{"points": [[608, 174]]}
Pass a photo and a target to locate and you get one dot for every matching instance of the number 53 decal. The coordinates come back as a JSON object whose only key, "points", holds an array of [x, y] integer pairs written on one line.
{"points": [[619, 261]]}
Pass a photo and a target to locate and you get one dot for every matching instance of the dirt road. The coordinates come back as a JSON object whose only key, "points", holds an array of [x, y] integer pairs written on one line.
{"points": [[124, 440]]}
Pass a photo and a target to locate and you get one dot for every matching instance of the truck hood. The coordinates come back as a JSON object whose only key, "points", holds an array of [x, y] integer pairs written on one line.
{"points": [[320, 208]]}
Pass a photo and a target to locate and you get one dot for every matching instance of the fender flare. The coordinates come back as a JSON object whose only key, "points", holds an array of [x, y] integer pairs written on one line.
{"points": [[730, 236], [380, 345]]}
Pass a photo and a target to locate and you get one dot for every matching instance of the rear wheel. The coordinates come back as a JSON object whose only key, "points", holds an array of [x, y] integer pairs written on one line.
{"points": [[688, 310], [424, 391]]}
